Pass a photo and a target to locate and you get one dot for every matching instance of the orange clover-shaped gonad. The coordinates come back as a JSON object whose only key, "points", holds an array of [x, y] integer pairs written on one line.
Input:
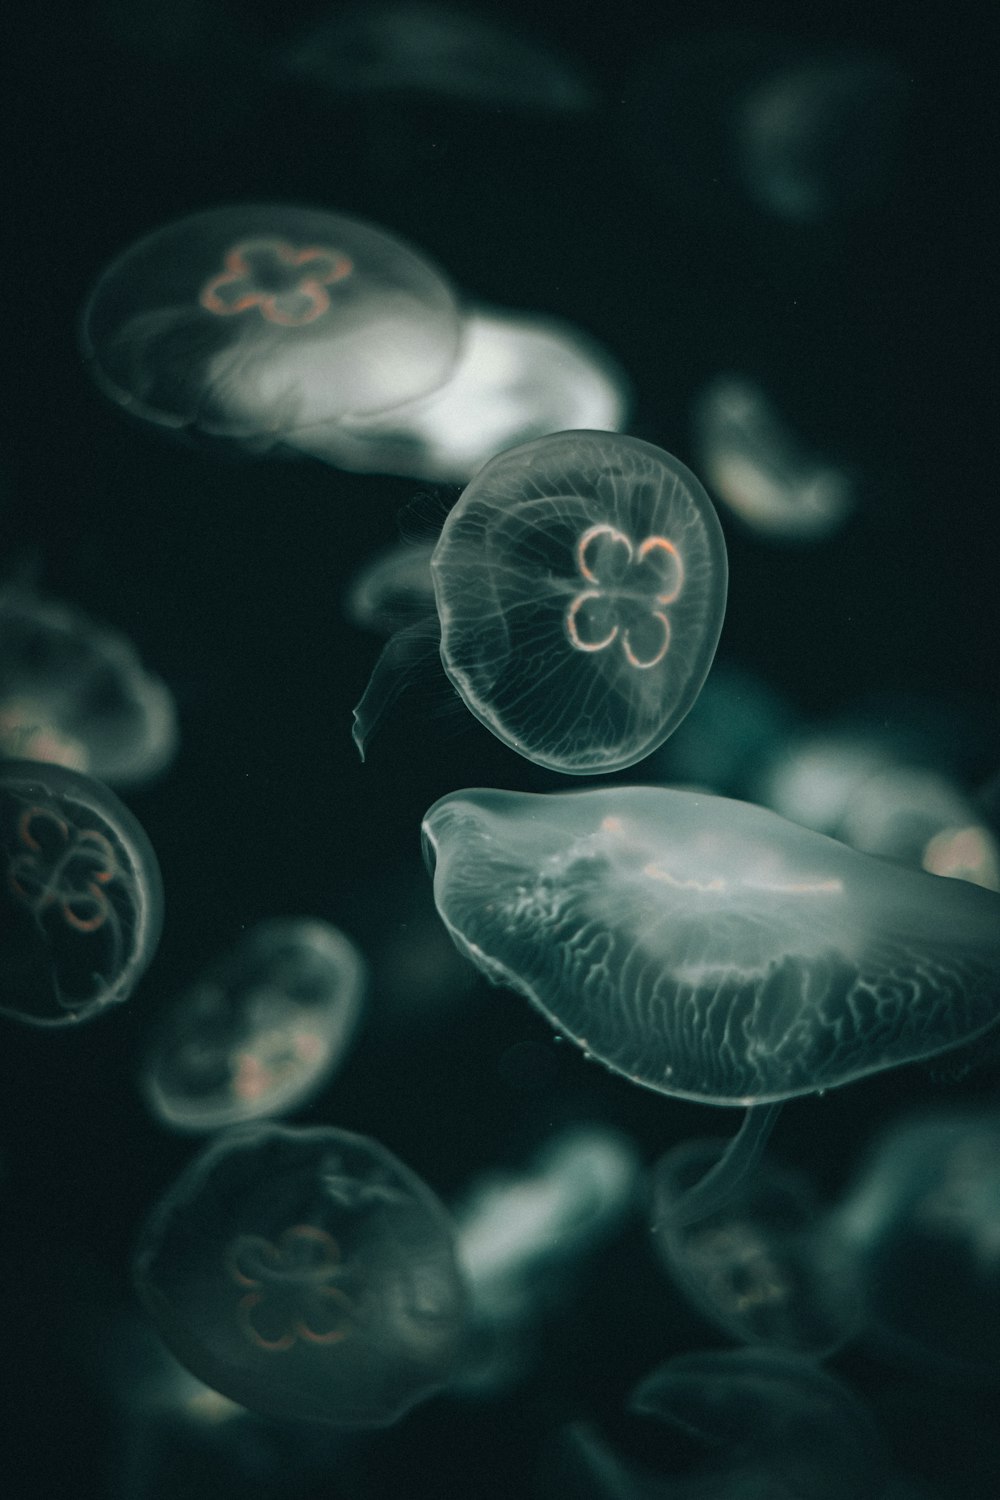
{"points": [[287, 286], [628, 589], [289, 1296], [63, 867]]}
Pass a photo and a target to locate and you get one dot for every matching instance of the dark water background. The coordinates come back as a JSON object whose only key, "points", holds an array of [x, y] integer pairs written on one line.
{"points": [[229, 574]]}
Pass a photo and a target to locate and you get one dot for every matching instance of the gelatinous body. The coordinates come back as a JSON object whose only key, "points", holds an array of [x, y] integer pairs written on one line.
{"points": [[306, 1274], [581, 587], [516, 379], [252, 321], [261, 1032], [764, 475], [708, 948], [392, 590], [76, 695], [81, 904]]}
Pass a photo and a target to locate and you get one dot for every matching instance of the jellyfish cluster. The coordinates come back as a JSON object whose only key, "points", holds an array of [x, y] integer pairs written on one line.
{"points": [[499, 829]]}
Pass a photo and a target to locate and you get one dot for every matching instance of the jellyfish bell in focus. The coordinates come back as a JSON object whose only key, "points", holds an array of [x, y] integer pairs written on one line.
{"points": [[581, 587], [81, 902], [261, 1032], [250, 322], [517, 378], [764, 474], [760, 1267], [75, 694], [306, 1274]]}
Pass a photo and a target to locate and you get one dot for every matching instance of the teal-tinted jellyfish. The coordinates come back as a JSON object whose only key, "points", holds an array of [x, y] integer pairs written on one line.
{"points": [[305, 1274], [581, 587], [81, 901], [250, 322], [261, 1031]]}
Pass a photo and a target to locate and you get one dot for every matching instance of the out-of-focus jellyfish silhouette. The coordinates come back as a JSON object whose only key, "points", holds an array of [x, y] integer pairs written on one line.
{"points": [[922, 1219], [81, 903], [261, 1032], [392, 46], [581, 586], [517, 378], [761, 471], [392, 590], [737, 725], [760, 1267], [306, 1274], [708, 948], [75, 694], [250, 322], [521, 1238]]}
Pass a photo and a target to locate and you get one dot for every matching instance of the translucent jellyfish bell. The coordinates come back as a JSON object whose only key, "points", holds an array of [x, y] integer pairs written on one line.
{"points": [[306, 1274], [81, 903], [707, 948], [74, 694], [392, 590], [261, 1032], [253, 321], [581, 586]]}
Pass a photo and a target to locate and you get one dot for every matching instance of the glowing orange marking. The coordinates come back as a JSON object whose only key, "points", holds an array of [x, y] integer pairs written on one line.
{"points": [[799, 887], [712, 887], [40, 888], [648, 547], [602, 529], [611, 825], [636, 661], [283, 1261], [325, 268], [663, 544], [575, 638]]}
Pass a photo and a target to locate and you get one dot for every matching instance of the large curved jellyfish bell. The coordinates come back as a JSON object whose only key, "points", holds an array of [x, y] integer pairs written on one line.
{"points": [[581, 587], [709, 949]]}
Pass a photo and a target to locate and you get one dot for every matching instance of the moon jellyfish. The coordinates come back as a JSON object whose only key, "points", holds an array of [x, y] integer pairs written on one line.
{"points": [[516, 379], [305, 1274], [922, 1220], [81, 904], [261, 1032], [391, 47], [707, 948], [760, 1267], [521, 1237], [761, 471], [581, 586], [253, 321], [74, 694], [391, 590]]}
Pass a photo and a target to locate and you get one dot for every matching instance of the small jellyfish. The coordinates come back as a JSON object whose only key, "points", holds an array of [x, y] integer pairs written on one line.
{"points": [[581, 586], [708, 948], [75, 694], [761, 471], [252, 321], [81, 904], [517, 378], [398, 46], [392, 590], [922, 1219], [261, 1032], [761, 1267], [305, 1274]]}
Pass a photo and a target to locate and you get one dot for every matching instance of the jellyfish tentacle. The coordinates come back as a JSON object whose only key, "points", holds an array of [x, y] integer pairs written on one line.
{"points": [[738, 1159], [402, 657]]}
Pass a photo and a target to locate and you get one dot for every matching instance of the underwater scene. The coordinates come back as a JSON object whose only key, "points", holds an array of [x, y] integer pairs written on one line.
{"points": [[500, 753]]}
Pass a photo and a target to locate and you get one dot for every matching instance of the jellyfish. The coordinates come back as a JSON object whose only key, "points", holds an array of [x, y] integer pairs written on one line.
{"points": [[517, 378], [392, 590], [81, 903], [75, 694], [709, 949], [761, 471], [922, 1220], [761, 1267], [250, 322], [305, 1274], [581, 586], [261, 1032]]}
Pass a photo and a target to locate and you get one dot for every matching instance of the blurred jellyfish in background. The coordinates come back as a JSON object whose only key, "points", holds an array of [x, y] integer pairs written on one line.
{"points": [[81, 902], [738, 723], [261, 1032], [250, 322], [761, 1268], [581, 587], [306, 1274], [402, 47], [922, 1219], [392, 590], [762, 472], [523, 1239], [75, 694], [517, 378]]}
